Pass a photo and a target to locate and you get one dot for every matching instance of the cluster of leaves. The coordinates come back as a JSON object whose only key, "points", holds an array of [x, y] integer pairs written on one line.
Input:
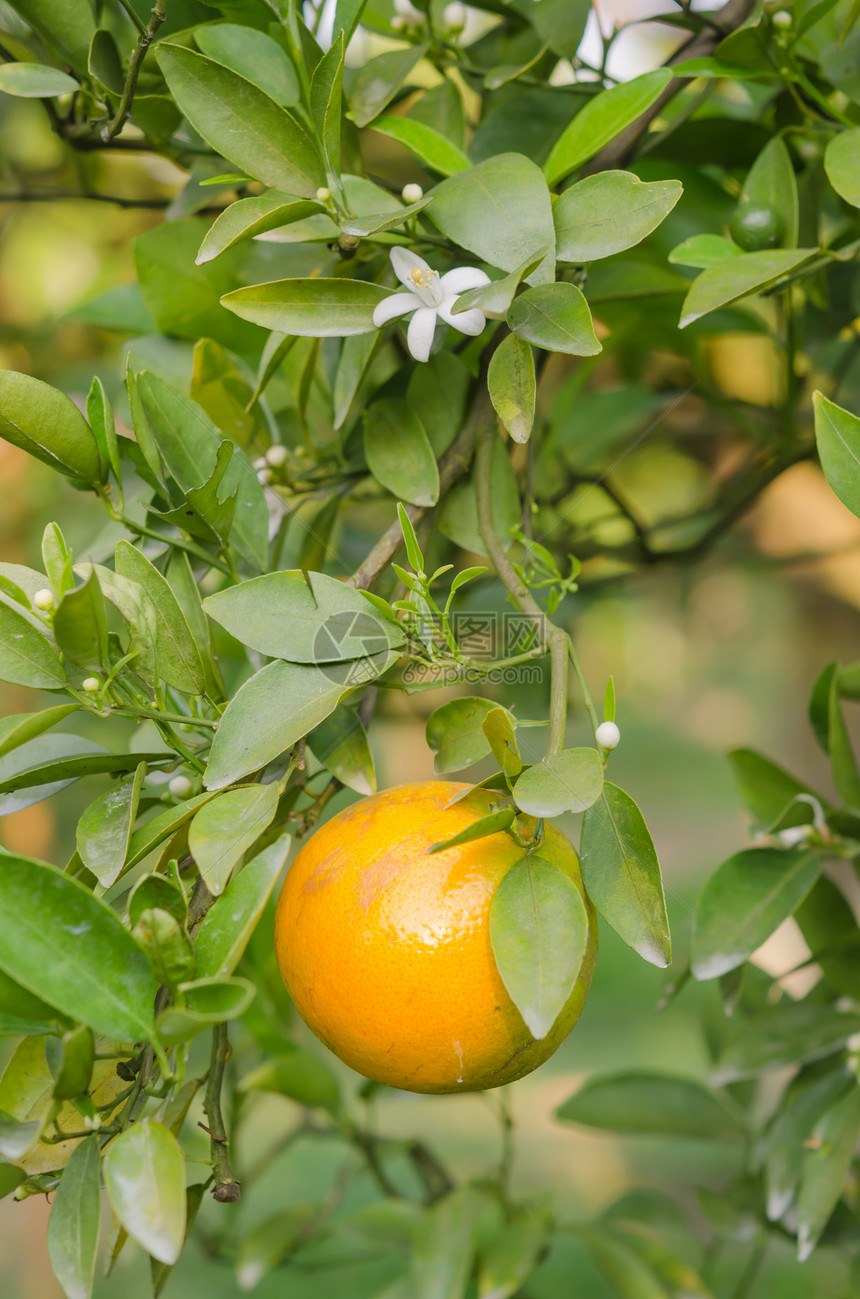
{"points": [[224, 630]]}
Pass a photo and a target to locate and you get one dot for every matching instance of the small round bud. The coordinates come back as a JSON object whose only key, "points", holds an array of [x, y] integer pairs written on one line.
{"points": [[265, 476], [260, 463], [276, 456], [782, 18], [91, 685], [44, 598], [454, 14], [607, 735], [323, 195], [406, 9], [398, 23], [180, 786], [412, 193]]}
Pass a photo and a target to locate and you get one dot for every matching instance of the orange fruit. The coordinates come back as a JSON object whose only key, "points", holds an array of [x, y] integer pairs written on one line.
{"points": [[385, 949]]}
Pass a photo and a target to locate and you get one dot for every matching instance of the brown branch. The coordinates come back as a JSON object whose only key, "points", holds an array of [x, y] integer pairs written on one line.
{"points": [[623, 147]]}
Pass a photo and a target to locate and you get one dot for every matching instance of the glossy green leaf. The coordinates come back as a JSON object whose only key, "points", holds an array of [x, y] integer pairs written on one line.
{"points": [[208, 511], [561, 24], [17, 1136], [159, 892], [736, 277], [105, 982], [843, 763], [46, 423], [80, 626], [10, 1179], [744, 901], [509, 1257], [512, 388], [271, 1243], [454, 733], [622, 874], [601, 120], [495, 298], [375, 222], [326, 99], [501, 211], [67, 29], [57, 559], [830, 930], [702, 251], [101, 421], [228, 925], [555, 317], [253, 216], [498, 727], [539, 933], [493, 823], [398, 452], [300, 1076], [458, 517], [837, 433], [144, 1173], [840, 163], [304, 617], [73, 1067], [177, 656], [425, 143], [226, 827], [27, 657], [162, 827], [570, 781], [254, 55], [771, 183], [104, 829], [606, 213], [105, 63], [786, 1034], [444, 1246], [168, 948], [825, 1170], [653, 1104], [204, 1002], [277, 706], [340, 743], [193, 1199], [75, 758], [765, 788], [22, 1014], [783, 1146], [377, 81], [242, 123], [630, 1275], [35, 81], [309, 308]]}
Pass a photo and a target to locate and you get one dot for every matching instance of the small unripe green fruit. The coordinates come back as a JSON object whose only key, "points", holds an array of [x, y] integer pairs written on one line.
{"points": [[755, 226]]}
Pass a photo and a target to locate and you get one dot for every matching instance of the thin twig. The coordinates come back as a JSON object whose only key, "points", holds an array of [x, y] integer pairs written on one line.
{"points": [[112, 128], [226, 1189]]}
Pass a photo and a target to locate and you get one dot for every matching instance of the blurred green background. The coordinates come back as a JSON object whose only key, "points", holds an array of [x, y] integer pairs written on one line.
{"points": [[710, 657]]}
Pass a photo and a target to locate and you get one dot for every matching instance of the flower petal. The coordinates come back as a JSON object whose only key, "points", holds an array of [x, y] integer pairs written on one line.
{"points": [[463, 278], [405, 262], [471, 321], [419, 335], [397, 305]]}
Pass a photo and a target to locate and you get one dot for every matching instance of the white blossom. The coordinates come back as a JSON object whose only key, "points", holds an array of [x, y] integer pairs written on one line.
{"points": [[44, 598], [607, 735], [412, 193], [430, 295]]}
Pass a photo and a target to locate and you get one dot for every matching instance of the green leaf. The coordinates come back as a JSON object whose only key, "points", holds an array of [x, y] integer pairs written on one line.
{"points": [[229, 924], [783, 1147], [300, 1076], [830, 930], [204, 1002], [22, 1014], [242, 123], [57, 559], [177, 656], [495, 298], [303, 617], [630, 1275], [652, 1104], [326, 98], [786, 1034], [277, 706], [157, 892], [398, 452], [498, 727], [32, 769], [148, 837], [309, 308], [837, 433], [27, 657], [144, 1173], [35, 81], [340, 744], [494, 823], [606, 213], [840, 163], [458, 517], [189, 441], [104, 829], [17, 730], [539, 933], [376, 83], [744, 901], [425, 143], [73, 1065], [509, 1258], [454, 733], [765, 788], [561, 24], [736, 277], [347, 16], [10, 1179], [570, 781], [501, 211], [68, 30], [105, 63], [47, 424], [704, 250], [101, 421], [226, 827], [17, 1136], [208, 511], [601, 120], [253, 216], [622, 875], [556, 317], [843, 763], [444, 1246], [511, 384], [771, 183], [376, 222], [105, 981], [80, 626], [826, 1169], [254, 55], [168, 948]]}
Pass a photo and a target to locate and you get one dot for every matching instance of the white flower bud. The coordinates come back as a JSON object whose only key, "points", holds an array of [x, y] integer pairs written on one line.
{"points": [[323, 195], [265, 476], [260, 463], [276, 456], [91, 685], [607, 735], [398, 23], [782, 18], [180, 786], [412, 193], [454, 14], [406, 10], [44, 598]]}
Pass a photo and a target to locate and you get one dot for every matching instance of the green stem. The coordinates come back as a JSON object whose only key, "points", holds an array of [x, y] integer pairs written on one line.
{"points": [[113, 127], [180, 718], [226, 1187], [583, 684]]}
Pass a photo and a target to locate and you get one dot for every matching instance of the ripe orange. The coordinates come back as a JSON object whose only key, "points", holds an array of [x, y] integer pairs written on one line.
{"points": [[385, 949]]}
